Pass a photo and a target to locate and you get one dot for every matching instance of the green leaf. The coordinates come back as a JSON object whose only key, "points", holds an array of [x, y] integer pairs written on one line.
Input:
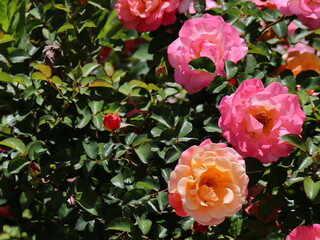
{"points": [[251, 63], [217, 84], [6, 38], [200, 6], [310, 83], [35, 149], [17, 164], [130, 137], [100, 83], [14, 143], [230, 69], [162, 231], [184, 127], [89, 201], [203, 64], [62, 7], [143, 152], [118, 180], [91, 148], [311, 188], [82, 121], [21, 78], [120, 224], [108, 68], [258, 49], [148, 183], [96, 106], [55, 79], [29, 91], [87, 24], [89, 68], [236, 225], [162, 200], [65, 28], [18, 56], [38, 76], [145, 225], [5, 77], [280, 29], [135, 196], [294, 140], [163, 115], [44, 69], [172, 154]]}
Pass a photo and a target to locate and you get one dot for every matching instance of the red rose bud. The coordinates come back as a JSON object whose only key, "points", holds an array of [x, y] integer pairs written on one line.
{"points": [[232, 81], [197, 227], [104, 54], [111, 122], [82, 1], [161, 71], [5, 212]]}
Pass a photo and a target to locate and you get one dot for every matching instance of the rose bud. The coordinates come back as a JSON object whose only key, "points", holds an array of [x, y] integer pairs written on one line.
{"points": [[111, 122]]}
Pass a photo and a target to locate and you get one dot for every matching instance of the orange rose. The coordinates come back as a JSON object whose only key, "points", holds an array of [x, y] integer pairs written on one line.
{"points": [[209, 183], [298, 62]]}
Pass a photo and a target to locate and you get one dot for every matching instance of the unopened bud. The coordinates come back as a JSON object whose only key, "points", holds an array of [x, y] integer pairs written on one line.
{"points": [[111, 122]]}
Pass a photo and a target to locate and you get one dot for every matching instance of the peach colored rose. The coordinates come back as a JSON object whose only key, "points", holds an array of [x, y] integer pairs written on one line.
{"points": [[305, 233], [148, 15], [209, 183], [301, 61], [308, 11], [254, 117], [208, 36]]}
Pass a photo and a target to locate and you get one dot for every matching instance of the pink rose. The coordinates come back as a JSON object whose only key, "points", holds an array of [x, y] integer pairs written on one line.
{"points": [[209, 183], [264, 4], [208, 36], [254, 117], [305, 232], [147, 15], [308, 11]]}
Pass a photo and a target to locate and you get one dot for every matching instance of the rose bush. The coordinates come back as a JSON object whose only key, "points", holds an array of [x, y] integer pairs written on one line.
{"points": [[148, 15], [208, 36], [68, 172], [305, 233], [254, 117], [209, 183]]}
